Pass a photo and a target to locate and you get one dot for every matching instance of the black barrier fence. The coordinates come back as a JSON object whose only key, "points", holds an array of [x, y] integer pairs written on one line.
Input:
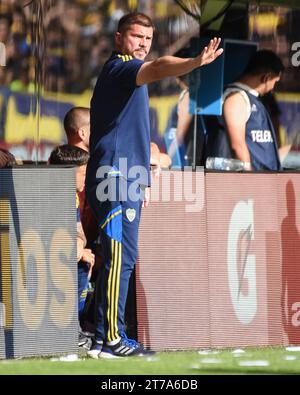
{"points": [[38, 272]]}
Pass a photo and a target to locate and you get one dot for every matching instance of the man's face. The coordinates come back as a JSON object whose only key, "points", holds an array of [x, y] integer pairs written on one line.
{"points": [[80, 178], [136, 41]]}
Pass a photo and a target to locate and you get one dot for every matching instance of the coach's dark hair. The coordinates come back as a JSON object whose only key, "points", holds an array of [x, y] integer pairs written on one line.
{"points": [[6, 159], [134, 18], [264, 61], [68, 155], [73, 119]]}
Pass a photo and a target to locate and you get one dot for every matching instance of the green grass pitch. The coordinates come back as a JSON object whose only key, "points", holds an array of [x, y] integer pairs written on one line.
{"points": [[269, 360]]}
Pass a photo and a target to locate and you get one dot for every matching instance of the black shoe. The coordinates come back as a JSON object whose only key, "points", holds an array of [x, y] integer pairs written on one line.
{"points": [[125, 348]]}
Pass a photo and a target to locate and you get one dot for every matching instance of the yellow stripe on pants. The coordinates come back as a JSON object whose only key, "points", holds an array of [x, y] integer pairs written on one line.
{"points": [[113, 290]]}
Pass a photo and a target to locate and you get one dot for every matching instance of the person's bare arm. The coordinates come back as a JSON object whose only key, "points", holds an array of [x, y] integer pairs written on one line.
{"points": [[286, 147], [171, 66], [165, 160], [80, 248], [235, 117], [184, 118], [283, 151], [154, 155], [159, 160], [155, 160], [81, 241]]}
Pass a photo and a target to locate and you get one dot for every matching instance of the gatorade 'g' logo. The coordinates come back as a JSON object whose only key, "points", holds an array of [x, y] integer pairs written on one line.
{"points": [[241, 264]]}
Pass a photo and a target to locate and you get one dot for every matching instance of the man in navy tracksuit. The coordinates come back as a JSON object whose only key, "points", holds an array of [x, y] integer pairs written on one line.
{"points": [[118, 174], [249, 128]]}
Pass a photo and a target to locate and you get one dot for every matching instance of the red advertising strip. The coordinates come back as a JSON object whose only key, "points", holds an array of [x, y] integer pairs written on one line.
{"points": [[226, 275], [241, 221], [172, 273], [289, 221]]}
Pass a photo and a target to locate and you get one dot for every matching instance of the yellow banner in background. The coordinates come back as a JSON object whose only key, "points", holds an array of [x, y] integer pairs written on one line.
{"points": [[20, 126]]}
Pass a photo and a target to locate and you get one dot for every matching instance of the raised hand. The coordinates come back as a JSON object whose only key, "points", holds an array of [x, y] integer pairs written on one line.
{"points": [[211, 52]]}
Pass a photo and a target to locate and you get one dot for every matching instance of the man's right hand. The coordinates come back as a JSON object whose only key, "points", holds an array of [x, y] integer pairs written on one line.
{"points": [[171, 66], [210, 53]]}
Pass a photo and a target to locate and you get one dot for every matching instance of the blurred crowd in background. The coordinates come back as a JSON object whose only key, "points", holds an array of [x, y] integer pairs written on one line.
{"points": [[277, 28], [57, 47], [75, 38]]}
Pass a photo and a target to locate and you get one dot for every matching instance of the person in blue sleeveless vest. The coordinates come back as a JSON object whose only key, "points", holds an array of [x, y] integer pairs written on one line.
{"points": [[250, 131], [118, 173]]}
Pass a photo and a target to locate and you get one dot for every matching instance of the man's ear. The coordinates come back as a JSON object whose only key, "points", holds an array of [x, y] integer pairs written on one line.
{"points": [[81, 133], [266, 77]]}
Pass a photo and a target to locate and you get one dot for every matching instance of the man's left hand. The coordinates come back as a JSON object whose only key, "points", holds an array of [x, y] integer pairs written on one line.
{"points": [[146, 197]]}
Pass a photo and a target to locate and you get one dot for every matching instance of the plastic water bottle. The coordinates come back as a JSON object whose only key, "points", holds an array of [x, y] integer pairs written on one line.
{"points": [[225, 164]]}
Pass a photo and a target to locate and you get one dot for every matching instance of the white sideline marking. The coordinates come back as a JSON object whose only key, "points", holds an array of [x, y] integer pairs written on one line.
{"points": [[208, 352], [238, 351], [67, 358], [211, 360], [293, 348], [290, 357], [254, 363], [152, 359], [195, 366]]}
